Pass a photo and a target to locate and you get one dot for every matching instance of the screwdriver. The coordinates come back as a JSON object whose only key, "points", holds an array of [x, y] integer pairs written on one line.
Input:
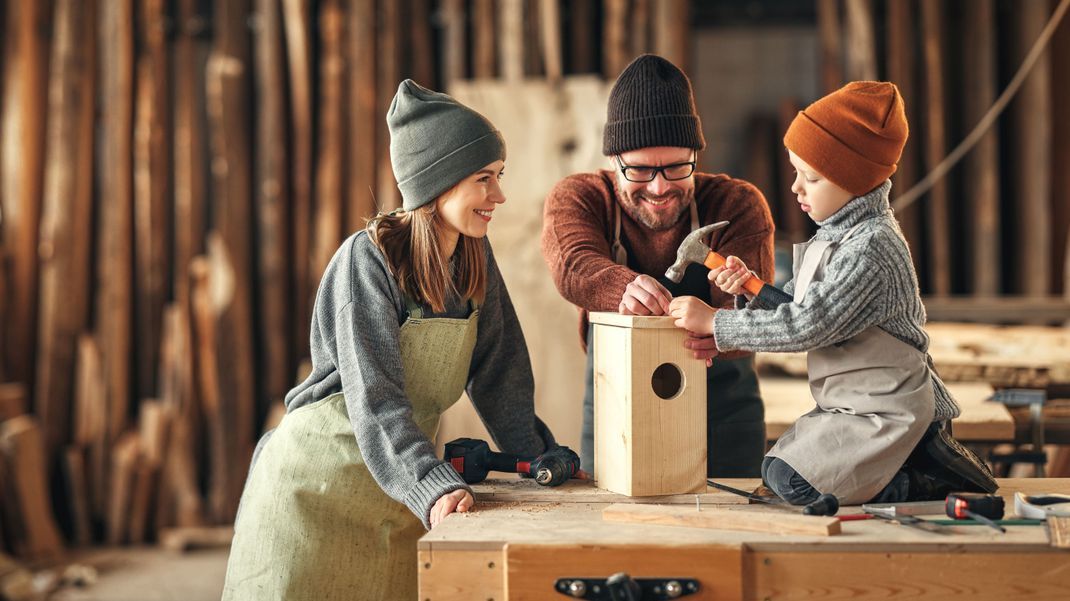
{"points": [[982, 508], [826, 504]]}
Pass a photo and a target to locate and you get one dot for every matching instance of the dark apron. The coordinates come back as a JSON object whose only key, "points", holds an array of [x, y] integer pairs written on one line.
{"points": [[735, 416]]}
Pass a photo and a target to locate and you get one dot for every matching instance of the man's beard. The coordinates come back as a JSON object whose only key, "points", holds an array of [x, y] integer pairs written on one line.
{"points": [[635, 205]]}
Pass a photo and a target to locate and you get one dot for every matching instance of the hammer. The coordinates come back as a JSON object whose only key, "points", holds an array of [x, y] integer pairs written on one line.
{"points": [[693, 250]]}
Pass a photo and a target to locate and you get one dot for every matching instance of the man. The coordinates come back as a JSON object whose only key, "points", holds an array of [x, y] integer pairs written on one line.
{"points": [[608, 238]]}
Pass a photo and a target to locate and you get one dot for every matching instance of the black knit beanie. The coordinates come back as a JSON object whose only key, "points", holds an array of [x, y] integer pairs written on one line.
{"points": [[651, 105]]}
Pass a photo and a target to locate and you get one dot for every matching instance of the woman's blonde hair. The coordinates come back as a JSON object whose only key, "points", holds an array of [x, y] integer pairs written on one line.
{"points": [[411, 241]]}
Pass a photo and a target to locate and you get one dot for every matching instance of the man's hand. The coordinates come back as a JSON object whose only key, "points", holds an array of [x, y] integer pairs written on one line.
{"points": [[645, 296], [459, 500], [731, 277], [702, 347], [692, 315]]}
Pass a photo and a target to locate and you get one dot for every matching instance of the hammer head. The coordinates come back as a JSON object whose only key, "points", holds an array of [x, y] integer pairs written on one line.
{"points": [[692, 250]]}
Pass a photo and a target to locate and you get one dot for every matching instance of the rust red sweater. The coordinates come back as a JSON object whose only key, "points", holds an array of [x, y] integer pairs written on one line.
{"points": [[577, 233]]}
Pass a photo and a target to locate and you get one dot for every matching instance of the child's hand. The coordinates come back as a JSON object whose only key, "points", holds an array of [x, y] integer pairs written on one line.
{"points": [[459, 500], [692, 315], [731, 277]]}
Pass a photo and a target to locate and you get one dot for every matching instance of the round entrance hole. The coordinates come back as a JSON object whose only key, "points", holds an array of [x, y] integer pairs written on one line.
{"points": [[667, 381]]}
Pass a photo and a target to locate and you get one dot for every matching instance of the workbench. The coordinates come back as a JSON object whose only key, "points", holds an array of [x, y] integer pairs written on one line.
{"points": [[521, 538]]}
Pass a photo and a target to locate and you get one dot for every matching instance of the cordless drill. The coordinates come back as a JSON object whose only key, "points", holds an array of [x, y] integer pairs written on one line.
{"points": [[473, 458]]}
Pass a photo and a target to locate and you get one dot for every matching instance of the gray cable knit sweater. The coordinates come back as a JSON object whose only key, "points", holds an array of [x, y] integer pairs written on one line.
{"points": [[355, 350], [869, 281]]}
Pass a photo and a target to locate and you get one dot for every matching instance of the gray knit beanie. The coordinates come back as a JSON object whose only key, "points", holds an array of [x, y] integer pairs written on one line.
{"points": [[651, 105], [435, 142]]}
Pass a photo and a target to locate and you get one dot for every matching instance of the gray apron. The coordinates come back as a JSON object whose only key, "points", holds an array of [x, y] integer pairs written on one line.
{"points": [[874, 402], [313, 523]]}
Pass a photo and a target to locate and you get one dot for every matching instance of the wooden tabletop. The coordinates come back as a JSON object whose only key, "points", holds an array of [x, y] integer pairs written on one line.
{"points": [[981, 420]]}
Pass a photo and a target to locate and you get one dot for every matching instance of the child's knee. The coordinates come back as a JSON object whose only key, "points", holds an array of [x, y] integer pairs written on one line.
{"points": [[787, 483]]}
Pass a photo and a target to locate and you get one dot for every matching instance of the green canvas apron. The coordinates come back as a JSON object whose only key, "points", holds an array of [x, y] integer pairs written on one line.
{"points": [[874, 402], [313, 523]]}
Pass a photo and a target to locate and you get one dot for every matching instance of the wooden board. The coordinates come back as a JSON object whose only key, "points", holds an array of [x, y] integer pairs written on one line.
{"points": [[935, 148], [754, 519], [22, 451], [584, 491], [786, 399], [632, 321]]}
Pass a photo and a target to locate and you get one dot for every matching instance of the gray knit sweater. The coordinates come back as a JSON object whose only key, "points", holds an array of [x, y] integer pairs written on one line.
{"points": [[355, 350], [869, 281]]}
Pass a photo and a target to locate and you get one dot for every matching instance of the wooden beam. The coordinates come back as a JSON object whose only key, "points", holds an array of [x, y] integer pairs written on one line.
{"points": [[483, 47], [124, 459], [1060, 177], [901, 61], [830, 33], [388, 53], [453, 41], [640, 33], [1032, 154], [797, 225], [936, 202], [511, 39], [22, 125], [550, 33], [999, 309], [115, 258], [672, 32], [77, 487], [421, 56], [91, 421], [749, 519], [363, 120], [328, 219], [22, 450], [614, 38], [581, 36], [861, 44], [981, 177]]}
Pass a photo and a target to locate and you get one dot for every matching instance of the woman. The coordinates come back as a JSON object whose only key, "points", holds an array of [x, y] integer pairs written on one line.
{"points": [[342, 489]]}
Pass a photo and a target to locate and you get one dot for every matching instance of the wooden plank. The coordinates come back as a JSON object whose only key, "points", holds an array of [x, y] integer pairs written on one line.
{"points": [[422, 58], [77, 487], [936, 203], [640, 31], [750, 519], [363, 120], [230, 246], [518, 490], [861, 45], [388, 52], [581, 38], [91, 421], [328, 219], [22, 449], [901, 68], [632, 321], [533, 569], [1060, 184], [672, 32], [124, 460], [483, 46], [12, 400], [180, 540], [550, 34], [114, 302], [760, 159], [66, 219], [22, 126], [981, 178], [999, 309], [1032, 111], [453, 41], [614, 37], [142, 498], [531, 46], [511, 39], [798, 224], [190, 150], [153, 209], [272, 201], [208, 388], [461, 575], [296, 24], [830, 34]]}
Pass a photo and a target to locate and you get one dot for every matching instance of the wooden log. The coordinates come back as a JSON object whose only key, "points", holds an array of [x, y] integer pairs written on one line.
{"points": [[77, 487], [181, 540], [388, 51], [901, 43], [124, 459], [981, 177], [581, 37], [1032, 154], [511, 39], [453, 41], [22, 447], [114, 301], [190, 150], [153, 209], [672, 32], [297, 25], [363, 119], [328, 220], [830, 34], [550, 34], [22, 126], [861, 44], [272, 203], [91, 421], [936, 204], [640, 33], [12, 400], [722, 518], [483, 46], [614, 38], [1060, 137]]}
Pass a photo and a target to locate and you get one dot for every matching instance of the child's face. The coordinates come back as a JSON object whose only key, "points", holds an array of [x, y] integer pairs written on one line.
{"points": [[818, 197], [466, 209]]}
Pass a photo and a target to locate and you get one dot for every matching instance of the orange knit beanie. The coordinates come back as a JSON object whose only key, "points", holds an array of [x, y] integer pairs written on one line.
{"points": [[853, 136]]}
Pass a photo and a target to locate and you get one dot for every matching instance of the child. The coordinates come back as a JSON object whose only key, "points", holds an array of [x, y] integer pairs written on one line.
{"points": [[879, 430], [341, 490]]}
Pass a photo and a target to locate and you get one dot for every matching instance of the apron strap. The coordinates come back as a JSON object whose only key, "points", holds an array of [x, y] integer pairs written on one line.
{"points": [[416, 312], [620, 256], [812, 260]]}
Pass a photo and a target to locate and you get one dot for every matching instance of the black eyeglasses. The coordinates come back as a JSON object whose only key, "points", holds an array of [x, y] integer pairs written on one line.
{"points": [[642, 174]]}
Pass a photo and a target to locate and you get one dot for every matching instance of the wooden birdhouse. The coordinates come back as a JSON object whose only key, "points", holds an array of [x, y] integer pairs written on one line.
{"points": [[649, 407]]}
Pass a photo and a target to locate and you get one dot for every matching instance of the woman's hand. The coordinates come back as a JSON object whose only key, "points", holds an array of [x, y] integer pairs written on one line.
{"points": [[459, 500], [702, 347], [692, 315], [731, 277]]}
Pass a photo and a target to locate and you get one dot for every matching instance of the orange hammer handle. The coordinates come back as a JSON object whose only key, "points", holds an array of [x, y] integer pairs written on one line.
{"points": [[752, 285]]}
